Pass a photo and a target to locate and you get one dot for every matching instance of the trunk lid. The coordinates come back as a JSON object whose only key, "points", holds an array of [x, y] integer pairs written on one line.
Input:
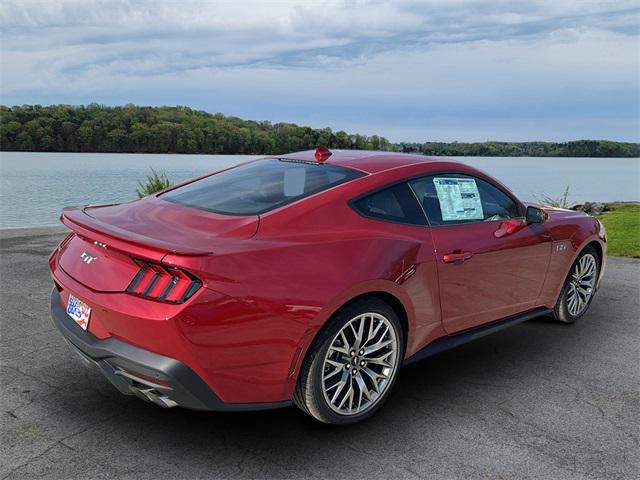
{"points": [[96, 267], [159, 225], [109, 237]]}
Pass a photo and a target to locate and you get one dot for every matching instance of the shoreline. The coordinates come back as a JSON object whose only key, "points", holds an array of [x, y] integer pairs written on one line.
{"points": [[7, 233], [271, 155]]}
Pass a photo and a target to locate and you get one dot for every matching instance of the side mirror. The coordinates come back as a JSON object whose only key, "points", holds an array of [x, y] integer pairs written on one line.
{"points": [[535, 215], [509, 227]]}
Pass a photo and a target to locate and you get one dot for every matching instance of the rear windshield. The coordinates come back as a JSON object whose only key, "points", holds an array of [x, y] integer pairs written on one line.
{"points": [[260, 186]]}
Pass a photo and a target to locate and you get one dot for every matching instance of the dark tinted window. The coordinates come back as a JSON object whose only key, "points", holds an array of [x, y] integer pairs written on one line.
{"points": [[259, 186], [396, 204], [453, 198]]}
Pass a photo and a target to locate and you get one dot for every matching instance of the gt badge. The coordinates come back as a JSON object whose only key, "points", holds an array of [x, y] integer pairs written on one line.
{"points": [[86, 258]]}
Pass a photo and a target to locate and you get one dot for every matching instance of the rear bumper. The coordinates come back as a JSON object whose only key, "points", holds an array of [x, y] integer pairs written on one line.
{"points": [[135, 371]]}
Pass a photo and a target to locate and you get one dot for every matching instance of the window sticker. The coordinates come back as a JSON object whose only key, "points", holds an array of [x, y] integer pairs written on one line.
{"points": [[459, 199]]}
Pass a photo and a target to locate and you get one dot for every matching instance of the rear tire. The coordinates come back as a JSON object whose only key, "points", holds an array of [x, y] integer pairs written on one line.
{"points": [[353, 363], [579, 287]]}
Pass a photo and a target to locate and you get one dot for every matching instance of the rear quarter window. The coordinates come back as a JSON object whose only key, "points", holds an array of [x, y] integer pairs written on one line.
{"points": [[394, 204], [259, 186]]}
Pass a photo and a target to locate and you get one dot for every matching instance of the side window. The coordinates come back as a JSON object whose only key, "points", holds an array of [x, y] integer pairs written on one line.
{"points": [[496, 204], [396, 204], [451, 199]]}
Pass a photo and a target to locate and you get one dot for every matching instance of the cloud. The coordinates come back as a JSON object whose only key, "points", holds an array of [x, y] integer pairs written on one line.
{"points": [[459, 69]]}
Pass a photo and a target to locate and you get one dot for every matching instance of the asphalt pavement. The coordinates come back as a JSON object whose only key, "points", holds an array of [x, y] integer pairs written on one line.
{"points": [[539, 400]]}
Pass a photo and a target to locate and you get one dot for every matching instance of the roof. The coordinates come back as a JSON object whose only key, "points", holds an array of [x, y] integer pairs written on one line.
{"points": [[364, 160]]}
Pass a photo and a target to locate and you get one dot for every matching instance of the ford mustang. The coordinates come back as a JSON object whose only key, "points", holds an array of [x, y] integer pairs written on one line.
{"points": [[311, 278]]}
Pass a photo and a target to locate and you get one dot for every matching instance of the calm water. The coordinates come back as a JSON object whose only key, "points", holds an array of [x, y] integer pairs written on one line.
{"points": [[35, 186]]}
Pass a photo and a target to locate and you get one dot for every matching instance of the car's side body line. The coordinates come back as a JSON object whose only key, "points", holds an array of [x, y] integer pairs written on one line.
{"points": [[451, 341]]}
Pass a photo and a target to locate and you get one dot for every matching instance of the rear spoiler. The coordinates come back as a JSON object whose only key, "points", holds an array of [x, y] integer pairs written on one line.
{"points": [[77, 220]]}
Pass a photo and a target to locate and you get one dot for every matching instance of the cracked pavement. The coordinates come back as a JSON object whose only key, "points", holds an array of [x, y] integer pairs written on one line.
{"points": [[539, 400]]}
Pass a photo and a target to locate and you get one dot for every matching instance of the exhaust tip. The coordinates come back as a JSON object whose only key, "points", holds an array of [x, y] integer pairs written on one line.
{"points": [[152, 395]]}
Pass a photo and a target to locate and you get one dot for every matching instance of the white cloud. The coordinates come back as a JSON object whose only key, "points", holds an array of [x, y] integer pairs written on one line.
{"points": [[327, 61]]}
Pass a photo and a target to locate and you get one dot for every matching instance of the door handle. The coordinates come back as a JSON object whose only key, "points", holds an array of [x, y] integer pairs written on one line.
{"points": [[457, 257]]}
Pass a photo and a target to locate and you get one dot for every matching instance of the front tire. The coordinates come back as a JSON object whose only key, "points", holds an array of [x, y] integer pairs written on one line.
{"points": [[352, 364], [579, 287]]}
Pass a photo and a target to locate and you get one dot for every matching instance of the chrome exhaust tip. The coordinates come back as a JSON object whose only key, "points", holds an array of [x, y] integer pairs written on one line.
{"points": [[146, 390], [152, 395], [162, 400]]}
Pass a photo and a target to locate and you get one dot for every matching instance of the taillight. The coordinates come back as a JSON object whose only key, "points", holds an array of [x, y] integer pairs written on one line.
{"points": [[163, 283]]}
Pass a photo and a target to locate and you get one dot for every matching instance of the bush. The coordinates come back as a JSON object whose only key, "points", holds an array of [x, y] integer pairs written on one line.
{"points": [[155, 182], [561, 202]]}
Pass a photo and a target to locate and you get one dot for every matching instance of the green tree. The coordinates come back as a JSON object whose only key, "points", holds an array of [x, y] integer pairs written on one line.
{"points": [[131, 128]]}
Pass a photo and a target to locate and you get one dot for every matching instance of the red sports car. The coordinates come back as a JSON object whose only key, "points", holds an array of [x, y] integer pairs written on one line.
{"points": [[311, 278]]}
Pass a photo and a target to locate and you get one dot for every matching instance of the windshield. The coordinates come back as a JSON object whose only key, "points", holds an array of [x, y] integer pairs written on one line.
{"points": [[259, 186]]}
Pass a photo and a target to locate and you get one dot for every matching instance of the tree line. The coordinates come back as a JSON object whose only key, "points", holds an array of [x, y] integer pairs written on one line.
{"points": [[577, 148], [136, 129]]}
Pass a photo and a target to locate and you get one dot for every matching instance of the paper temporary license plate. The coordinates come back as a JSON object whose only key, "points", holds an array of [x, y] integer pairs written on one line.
{"points": [[79, 311]]}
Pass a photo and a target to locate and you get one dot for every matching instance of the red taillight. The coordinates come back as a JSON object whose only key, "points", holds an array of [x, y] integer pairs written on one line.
{"points": [[163, 283]]}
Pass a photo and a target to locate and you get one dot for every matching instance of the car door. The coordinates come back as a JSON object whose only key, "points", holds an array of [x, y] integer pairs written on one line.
{"points": [[484, 273]]}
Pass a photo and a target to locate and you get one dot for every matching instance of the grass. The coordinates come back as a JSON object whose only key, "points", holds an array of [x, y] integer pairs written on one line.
{"points": [[623, 229], [154, 183]]}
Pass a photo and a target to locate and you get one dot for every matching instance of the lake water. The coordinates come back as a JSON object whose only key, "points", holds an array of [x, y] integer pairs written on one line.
{"points": [[35, 186]]}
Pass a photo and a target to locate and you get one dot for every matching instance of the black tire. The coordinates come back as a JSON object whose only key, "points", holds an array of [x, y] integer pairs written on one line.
{"points": [[561, 310], [309, 395]]}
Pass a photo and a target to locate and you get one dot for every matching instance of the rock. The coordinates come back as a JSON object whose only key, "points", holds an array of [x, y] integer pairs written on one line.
{"points": [[592, 208]]}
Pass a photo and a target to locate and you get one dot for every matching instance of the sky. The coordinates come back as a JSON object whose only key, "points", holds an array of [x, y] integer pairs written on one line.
{"points": [[430, 70]]}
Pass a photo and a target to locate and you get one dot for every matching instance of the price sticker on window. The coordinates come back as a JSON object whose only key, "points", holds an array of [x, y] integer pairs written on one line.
{"points": [[459, 199]]}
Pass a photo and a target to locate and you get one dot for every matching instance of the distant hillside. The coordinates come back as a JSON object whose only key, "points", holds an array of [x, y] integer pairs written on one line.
{"points": [[134, 129], [577, 148]]}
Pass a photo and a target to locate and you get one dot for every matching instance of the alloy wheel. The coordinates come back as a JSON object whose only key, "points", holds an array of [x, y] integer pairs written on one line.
{"points": [[581, 284], [360, 363]]}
